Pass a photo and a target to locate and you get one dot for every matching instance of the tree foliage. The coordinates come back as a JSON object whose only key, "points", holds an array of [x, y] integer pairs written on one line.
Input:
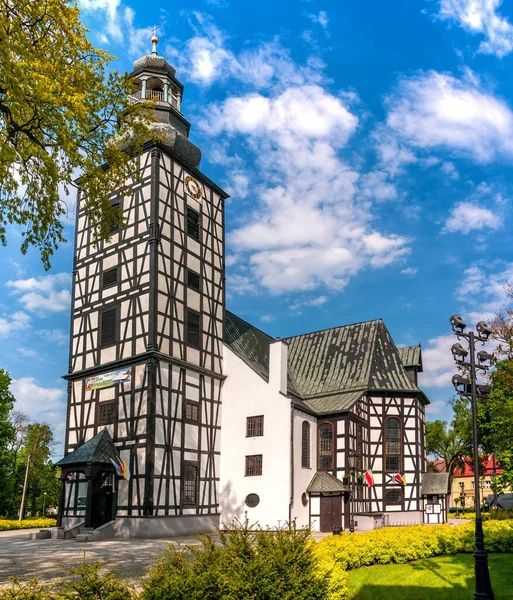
{"points": [[59, 109]]}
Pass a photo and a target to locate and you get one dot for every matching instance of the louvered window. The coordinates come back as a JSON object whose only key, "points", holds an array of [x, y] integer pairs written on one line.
{"points": [[193, 332], [110, 277], [193, 280], [106, 412], [305, 445], [108, 327], [193, 223], [189, 484], [113, 227]]}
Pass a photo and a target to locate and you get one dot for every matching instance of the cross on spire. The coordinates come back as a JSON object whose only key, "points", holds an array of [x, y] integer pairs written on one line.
{"points": [[154, 29], [154, 39]]}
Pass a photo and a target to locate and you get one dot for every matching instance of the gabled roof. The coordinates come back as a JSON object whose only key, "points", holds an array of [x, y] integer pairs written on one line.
{"points": [[325, 482], [328, 370], [98, 450], [358, 357], [411, 356], [248, 343], [435, 483]]}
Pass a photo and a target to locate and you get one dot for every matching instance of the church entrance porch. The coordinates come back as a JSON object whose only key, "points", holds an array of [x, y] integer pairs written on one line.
{"points": [[331, 513], [102, 499]]}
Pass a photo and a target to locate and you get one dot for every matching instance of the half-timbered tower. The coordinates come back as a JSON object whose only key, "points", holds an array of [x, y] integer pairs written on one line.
{"points": [[309, 404], [146, 340]]}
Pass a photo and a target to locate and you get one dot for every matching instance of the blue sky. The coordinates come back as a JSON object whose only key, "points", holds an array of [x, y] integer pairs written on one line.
{"points": [[367, 147]]}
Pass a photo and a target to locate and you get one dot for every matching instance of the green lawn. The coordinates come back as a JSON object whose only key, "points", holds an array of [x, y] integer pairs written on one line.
{"points": [[440, 578]]}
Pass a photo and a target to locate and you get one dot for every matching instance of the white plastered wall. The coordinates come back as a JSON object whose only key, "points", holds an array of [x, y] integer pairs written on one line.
{"points": [[246, 394], [302, 475]]}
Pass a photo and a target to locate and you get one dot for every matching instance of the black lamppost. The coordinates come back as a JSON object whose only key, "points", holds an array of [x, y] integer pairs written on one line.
{"points": [[470, 389], [352, 460]]}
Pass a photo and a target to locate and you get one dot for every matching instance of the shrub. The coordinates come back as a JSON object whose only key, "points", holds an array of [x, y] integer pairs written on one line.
{"points": [[31, 522], [399, 545], [493, 515], [261, 564]]}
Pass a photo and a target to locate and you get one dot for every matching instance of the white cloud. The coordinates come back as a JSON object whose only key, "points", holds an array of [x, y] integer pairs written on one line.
{"points": [[438, 362], [112, 18], [27, 352], [315, 302], [59, 336], [321, 18], [39, 403], [450, 170], [267, 318], [438, 111], [410, 271], [481, 17], [45, 294], [436, 407], [207, 57], [468, 216], [15, 322]]}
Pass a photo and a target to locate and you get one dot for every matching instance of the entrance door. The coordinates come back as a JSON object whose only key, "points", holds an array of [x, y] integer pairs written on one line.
{"points": [[102, 500], [331, 512]]}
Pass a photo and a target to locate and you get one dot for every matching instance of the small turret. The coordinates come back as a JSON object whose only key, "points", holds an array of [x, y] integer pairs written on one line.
{"points": [[156, 81]]}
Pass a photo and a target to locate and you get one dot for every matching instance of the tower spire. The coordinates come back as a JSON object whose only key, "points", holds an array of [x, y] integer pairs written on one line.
{"points": [[154, 40]]}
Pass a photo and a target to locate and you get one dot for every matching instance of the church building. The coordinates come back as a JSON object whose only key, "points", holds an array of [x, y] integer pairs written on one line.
{"points": [[181, 415]]}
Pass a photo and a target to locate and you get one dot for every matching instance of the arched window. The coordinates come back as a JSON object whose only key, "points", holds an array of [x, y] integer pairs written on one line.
{"points": [[305, 445], [393, 445], [325, 446]]}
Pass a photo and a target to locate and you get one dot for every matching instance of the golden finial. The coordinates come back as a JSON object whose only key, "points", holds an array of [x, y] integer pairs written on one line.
{"points": [[154, 40]]}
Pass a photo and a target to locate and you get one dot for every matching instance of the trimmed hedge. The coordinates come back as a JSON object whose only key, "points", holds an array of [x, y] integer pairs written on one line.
{"points": [[493, 515], [30, 523]]}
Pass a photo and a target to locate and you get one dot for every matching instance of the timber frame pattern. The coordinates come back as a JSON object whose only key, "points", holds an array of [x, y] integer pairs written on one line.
{"points": [[152, 253]]}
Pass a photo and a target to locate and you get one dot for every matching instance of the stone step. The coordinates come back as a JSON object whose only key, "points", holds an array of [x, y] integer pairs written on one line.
{"points": [[90, 536], [42, 534]]}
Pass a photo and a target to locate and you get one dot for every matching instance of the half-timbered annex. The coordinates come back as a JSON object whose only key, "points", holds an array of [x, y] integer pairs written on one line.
{"points": [[154, 356], [331, 406]]}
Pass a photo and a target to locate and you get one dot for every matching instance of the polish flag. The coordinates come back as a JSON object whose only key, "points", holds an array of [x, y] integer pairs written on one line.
{"points": [[369, 478]]}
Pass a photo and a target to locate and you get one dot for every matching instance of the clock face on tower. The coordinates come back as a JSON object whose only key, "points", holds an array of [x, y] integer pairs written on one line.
{"points": [[193, 187]]}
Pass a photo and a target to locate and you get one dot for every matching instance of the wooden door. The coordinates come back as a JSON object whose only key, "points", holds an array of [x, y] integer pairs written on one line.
{"points": [[331, 512]]}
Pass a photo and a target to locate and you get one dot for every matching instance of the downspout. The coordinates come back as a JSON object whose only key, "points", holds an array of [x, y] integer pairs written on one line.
{"points": [[291, 461]]}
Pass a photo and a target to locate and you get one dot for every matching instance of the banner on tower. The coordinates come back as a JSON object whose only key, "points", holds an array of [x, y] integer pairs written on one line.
{"points": [[107, 379]]}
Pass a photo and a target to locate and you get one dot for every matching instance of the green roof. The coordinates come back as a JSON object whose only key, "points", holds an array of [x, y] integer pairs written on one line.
{"points": [[411, 356], [98, 450], [323, 481], [328, 370]]}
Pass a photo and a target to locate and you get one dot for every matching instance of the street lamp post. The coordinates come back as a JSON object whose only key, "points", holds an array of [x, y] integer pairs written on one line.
{"points": [[353, 464], [470, 389], [44, 503]]}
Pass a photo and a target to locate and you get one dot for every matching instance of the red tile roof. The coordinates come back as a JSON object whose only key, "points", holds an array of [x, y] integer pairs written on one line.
{"points": [[467, 471]]}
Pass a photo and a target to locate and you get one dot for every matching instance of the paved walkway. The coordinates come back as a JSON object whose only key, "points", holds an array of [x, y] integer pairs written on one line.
{"points": [[46, 559]]}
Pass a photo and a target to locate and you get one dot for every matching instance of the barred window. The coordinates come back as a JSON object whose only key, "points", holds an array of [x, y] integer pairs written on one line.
{"points": [[305, 445], [325, 446], [394, 496], [108, 327], [189, 484], [253, 465], [109, 277], [359, 445], [105, 412], [193, 331], [254, 426], [193, 224], [393, 446], [191, 411]]}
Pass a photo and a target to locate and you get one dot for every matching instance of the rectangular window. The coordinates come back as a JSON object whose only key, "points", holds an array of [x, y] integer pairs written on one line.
{"points": [[254, 426], [193, 280], [189, 484], [359, 445], [193, 328], [253, 465], [305, 445], [105, 412], [108, 327], [113, 228], [393, 463], [109, 277], [191, 411], [193, 224]]}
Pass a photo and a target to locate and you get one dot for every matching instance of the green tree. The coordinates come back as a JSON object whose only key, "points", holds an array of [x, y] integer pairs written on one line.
{"points": [[7, 434], [38, 448], [496, 421], [59, 109]]}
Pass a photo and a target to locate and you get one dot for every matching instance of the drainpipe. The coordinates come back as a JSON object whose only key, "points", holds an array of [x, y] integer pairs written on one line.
{"points": [[291, 461]]}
